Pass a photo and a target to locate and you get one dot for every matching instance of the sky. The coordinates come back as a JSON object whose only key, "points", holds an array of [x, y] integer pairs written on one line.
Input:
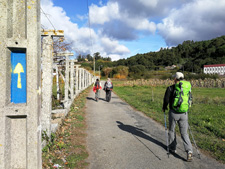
{"points": [[122, 28]]}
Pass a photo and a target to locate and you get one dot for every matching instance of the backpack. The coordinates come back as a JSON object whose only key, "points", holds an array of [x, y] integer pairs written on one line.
{"points": [[97, 86], [108, 85], [182, 97]]}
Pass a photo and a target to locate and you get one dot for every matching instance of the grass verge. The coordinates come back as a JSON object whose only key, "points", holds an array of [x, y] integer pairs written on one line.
{"points": [[67, 147], [206, 117]]}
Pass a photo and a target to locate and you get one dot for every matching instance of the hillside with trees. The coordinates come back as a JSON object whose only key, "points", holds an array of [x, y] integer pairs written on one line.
{"points": [[189, 56]]}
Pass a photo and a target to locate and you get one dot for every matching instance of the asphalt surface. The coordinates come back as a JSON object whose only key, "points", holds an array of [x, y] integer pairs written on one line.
{"points": [[119, 137]]}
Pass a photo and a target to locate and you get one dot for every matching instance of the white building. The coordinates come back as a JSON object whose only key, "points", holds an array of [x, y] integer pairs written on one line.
{"points": [[214, 69]]}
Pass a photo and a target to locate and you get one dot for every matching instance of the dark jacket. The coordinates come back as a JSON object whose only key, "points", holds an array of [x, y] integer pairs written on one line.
{"points": [[107, 88], [168, 97]]}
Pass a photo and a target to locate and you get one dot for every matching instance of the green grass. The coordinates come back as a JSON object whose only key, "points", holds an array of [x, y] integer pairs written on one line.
{"points": [[68, 148], [206, 117]]}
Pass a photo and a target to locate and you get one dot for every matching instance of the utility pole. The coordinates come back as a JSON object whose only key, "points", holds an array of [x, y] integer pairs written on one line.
{"points": [[94, 63]]}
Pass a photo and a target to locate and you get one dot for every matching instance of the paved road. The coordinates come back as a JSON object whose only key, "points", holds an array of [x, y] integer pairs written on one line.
{"points": [[120, 137]]}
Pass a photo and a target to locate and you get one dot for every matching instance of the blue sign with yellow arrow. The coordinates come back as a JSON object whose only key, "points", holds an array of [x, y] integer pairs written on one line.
{"points": [[18, 78]]}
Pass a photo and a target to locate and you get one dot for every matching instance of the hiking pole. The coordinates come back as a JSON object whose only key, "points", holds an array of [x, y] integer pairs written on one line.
{"points": [[166, 135], [194, 141]]}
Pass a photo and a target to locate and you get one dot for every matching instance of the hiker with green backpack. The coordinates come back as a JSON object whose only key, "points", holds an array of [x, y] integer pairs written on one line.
{"points": [[179, 98]]}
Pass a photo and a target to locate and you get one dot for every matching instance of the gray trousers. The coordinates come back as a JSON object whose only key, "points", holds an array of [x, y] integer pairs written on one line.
{"points": [[182, 120], [97, 94]]}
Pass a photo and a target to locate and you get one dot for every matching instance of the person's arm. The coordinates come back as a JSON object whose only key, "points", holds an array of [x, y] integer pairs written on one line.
{"points": [[166, 99]]}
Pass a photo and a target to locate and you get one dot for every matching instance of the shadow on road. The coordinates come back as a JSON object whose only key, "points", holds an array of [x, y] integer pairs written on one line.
{"points": [[102, 99], [90, 98], [139, 132]]}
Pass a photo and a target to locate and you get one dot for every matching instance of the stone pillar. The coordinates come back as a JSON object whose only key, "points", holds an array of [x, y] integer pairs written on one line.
{"points": [[20, 46], [66, 99], [67, 71], [84, 79], [47, 63], [72, 79], [77, 79], [57, 80], [80, 79], [89, 80], [47, 77]]}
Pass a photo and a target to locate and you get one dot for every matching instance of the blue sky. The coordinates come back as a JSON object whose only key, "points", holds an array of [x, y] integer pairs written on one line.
{"points": [[123, 28]]}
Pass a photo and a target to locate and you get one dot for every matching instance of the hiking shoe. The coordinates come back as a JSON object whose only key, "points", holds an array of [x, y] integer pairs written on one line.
{"points": [[173, 151], [189, 156]]}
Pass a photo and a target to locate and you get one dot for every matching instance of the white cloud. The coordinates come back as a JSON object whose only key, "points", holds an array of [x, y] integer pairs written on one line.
{"points": [[117, 22], [198, 20], [100, 15], [129, 20], [115, 57], [175, 20], [82, 38], [114, 46]]}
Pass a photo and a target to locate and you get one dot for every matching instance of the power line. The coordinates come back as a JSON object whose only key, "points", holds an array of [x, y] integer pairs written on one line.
{"points": [[89, 25], [47, 18]]}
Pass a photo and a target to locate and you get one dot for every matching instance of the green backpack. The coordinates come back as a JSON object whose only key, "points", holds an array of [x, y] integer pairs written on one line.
{"points": [[182, 97]]}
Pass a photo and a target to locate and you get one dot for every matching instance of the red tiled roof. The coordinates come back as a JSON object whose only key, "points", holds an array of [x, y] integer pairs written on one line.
{"points": [[216, 65]]}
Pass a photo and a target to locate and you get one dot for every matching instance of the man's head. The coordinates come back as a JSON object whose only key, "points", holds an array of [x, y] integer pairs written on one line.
{"points": [[178, 76], [108, 79]]}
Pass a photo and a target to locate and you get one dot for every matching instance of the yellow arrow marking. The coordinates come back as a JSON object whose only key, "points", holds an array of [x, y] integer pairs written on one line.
{"points": [[19, 69]]}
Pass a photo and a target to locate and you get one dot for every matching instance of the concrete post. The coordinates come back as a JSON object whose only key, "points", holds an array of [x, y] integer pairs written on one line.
{"points": [[67, 72], [84, 78], [57, 80], [47, 77], [20, 46], [88, 78], [66, 99], [72, 79], [91, 79], [77, 80], [80, 80]]}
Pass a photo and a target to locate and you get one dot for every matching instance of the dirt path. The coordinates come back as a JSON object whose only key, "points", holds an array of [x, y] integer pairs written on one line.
{"points": [[119, 137]]}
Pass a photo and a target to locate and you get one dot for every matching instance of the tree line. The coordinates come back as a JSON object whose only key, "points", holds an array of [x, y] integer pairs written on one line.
{"points": [[189, 56]]}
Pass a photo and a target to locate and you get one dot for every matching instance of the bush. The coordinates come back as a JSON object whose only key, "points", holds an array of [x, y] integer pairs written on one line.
{"points": [[201, 76], [166, 76]]}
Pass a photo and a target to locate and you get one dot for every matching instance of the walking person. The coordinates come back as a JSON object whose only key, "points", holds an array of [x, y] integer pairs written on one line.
{"points": [[108, 86], [97, 87], [178, 96]]}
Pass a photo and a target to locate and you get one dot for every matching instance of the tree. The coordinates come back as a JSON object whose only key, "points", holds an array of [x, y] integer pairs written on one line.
{"points": [[137, 71], [89, 57], [120, 72], [107, 71], [59, 45], [97, 56], [80, 58]]}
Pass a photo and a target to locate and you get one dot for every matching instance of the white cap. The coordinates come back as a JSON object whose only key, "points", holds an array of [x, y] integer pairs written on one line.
{"points": [[178, 75]]}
